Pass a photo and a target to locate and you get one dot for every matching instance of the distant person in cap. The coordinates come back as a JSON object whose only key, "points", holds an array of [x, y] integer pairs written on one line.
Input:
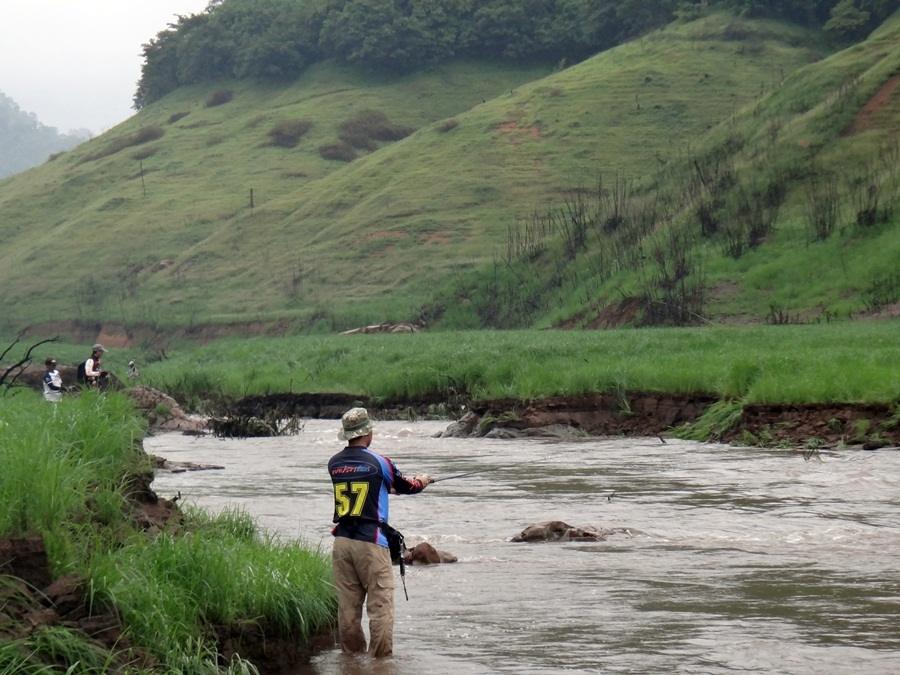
{"points": [[362, 480], [53, 386], [91, 373]]}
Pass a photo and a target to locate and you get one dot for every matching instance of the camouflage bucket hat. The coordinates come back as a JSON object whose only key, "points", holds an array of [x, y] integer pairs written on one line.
{"points": [[355, 423]]}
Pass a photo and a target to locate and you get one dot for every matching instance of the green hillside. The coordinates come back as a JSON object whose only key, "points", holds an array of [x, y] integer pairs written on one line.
{"points": [[87, 236], [786, 212], [371, 239]]}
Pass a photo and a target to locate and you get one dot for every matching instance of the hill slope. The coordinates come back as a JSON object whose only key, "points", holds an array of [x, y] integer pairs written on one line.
{"points": [[86, 235], [789, 211], [373, 237]]}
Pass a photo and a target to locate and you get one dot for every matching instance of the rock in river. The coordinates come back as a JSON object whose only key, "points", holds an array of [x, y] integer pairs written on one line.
{"points": [[557, 530], [426, 554]]}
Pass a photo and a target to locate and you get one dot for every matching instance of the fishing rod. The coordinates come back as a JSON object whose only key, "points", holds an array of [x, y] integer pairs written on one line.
{"points": [[461, 475], [493, 468]]}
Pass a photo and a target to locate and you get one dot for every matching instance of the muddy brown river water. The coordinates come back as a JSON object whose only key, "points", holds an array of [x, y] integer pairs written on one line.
{"points": [[750, 560]]}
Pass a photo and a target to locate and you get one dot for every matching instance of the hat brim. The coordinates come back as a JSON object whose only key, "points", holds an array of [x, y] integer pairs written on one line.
{"points": [[350, 434]]}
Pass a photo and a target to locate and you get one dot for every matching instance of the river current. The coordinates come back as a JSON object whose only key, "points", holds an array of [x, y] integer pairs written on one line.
{"points": [[748, 560]]}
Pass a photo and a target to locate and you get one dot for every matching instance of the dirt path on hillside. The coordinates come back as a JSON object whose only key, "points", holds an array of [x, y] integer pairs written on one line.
{"points": [[863, 120]]}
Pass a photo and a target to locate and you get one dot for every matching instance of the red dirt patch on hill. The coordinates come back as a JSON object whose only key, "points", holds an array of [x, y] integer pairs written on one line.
{"points": [[863, 120], [386, 234], [517, 133], [436, 239]]}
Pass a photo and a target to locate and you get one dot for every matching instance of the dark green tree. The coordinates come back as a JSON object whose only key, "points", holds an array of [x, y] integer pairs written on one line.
{"points": [[847, 21]]}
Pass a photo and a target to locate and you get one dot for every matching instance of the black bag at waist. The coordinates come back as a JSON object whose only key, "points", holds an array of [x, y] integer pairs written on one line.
{"points": [[395, 540]]}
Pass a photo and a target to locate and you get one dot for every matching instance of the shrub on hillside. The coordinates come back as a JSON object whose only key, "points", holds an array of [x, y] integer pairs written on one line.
{"points": [[340, 152], [367, 127], [219, 97], [288, 133], [174, 117], [448, 125], [139, 137], [146, 135], [144, 153]]}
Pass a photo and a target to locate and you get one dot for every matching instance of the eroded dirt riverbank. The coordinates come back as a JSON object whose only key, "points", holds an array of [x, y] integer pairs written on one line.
{"points": [[624, 414]]}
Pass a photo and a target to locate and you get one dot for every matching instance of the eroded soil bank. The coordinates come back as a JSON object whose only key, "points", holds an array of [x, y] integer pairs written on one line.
{"points": [[32, 600], [621, 414]]}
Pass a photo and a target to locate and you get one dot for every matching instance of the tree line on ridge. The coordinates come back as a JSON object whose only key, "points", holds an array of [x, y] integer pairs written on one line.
{"points": [[280, 38]]}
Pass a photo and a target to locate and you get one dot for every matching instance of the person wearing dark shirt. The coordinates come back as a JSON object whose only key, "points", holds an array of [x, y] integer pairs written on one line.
{"points": [[362, 480]]}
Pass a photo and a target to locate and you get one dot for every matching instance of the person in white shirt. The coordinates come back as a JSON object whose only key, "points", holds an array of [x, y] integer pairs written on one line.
{"points": [[93, 372], [53, 387]]}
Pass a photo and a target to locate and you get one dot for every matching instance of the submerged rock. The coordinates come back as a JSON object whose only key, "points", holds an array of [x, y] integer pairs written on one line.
{"points": [[508, 427], [557, 530], [463, 428], [563, 432], [504, 434], [426, 554], [164, 464]]}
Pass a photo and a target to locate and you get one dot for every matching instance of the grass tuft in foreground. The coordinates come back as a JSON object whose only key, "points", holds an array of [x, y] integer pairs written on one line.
{"points": [[62, 470], [171, 589]]}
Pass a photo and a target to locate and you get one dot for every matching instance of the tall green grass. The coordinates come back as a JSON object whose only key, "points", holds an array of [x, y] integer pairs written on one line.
{"points": [[847, 362], [63, 467], [172, 588], [63, 472]]}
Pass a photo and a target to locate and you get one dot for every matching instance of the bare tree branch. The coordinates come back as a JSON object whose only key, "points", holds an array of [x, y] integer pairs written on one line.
{"points": [[15, 342], [19, 367]]}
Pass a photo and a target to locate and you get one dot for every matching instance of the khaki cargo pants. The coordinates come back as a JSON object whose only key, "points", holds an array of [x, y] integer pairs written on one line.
{"points": [[362, 571]]}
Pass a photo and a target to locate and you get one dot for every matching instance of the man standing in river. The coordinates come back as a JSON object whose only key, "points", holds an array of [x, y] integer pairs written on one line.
{"points": [[362, 481]]}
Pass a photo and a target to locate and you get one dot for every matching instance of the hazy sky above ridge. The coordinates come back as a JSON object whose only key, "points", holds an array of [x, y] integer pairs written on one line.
{"points": [[75, 63]]}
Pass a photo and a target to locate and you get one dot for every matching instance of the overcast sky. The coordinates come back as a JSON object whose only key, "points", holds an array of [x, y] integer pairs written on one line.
{"points": [[76, 63]]}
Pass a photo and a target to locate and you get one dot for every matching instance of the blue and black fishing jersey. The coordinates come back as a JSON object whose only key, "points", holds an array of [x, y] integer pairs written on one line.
{"points": [[362, 481]]}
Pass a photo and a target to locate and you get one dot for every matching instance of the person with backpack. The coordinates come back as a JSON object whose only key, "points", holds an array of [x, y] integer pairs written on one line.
{"points": [[53, 386], [361, 558], [90, 372]]}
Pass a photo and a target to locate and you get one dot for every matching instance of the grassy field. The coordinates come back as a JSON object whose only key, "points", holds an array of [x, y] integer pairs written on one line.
{"points": [[330, 244], [61, 476], [847, 362]]}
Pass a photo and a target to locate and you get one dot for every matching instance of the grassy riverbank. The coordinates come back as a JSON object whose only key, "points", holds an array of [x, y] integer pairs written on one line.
{"points": [[63, 476], [846, 362]]}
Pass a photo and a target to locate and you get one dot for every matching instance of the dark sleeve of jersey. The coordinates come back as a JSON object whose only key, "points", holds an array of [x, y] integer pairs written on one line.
{"points": [[403, 485], [49, 382]]}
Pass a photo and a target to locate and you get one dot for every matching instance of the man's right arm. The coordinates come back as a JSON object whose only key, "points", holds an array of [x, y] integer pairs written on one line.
{"points": [[408, 486]]}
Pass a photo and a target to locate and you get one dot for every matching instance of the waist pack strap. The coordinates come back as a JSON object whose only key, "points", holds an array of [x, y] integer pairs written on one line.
{"points": [[395, 539]]}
